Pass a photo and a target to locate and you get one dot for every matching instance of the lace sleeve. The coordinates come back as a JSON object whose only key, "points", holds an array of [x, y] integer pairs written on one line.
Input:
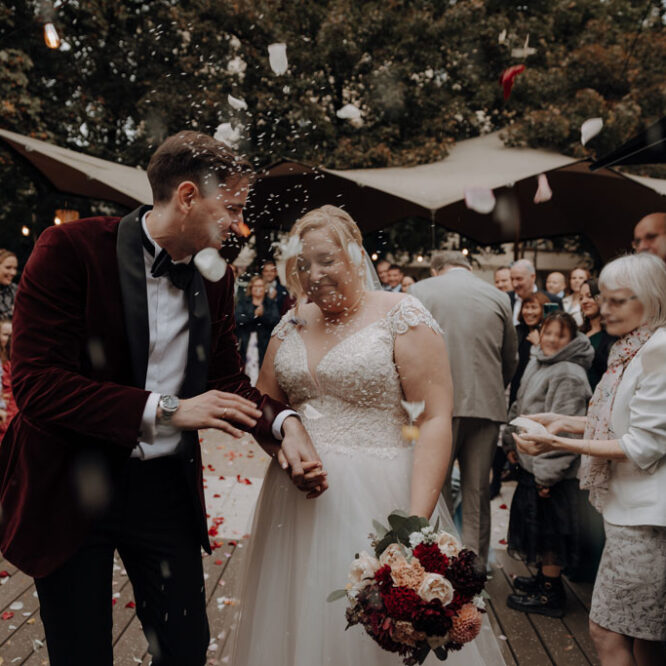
{"points": [[285, 325], [409, 313]]}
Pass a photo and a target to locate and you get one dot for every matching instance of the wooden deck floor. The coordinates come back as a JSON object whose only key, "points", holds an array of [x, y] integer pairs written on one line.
{"points": [[530, 640], [524, 640]]}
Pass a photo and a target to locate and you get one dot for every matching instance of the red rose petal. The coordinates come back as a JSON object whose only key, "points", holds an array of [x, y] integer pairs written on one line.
{"points": [[7, 615], [503, 506], [233, 543], [218, 562], [113, 602], [212, 531], [217, 495], [4, 574], [221, 478], [503, 542], [130, 604]]}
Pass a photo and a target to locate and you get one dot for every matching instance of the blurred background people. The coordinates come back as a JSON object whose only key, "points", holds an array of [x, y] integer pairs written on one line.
{"points": [[595, 330], [256, 316], [502, 278], [273, 287], [8, 271], [406, 283], [529, 324], [523, 281], [394, 278], [556, 284], [8, 407], [650, 235], [571, 302], [382, 272]]}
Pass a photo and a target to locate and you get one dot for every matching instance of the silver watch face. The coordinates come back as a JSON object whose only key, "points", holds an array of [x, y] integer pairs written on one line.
{"points": [[169, 403]]}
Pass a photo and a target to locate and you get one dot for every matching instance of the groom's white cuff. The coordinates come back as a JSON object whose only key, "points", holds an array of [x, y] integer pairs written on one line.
{"points": [[149, 427], [279, 420]]}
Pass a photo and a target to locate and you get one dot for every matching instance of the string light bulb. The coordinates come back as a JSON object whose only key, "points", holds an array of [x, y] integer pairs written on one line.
{"points": [[375, 256], [51, 36], [465, 251], [25, 230], [57, 220], [419, 258]]}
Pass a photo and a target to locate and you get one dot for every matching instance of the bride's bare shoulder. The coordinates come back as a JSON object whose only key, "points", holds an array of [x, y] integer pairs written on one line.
{"points": [[385, 300]]}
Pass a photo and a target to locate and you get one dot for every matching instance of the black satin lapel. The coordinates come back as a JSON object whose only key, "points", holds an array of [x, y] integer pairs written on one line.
{"points": [[132, 271], [196, 373]]}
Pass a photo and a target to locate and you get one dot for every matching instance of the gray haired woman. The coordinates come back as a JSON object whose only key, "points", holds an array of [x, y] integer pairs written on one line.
{"points": [[624, 463]]}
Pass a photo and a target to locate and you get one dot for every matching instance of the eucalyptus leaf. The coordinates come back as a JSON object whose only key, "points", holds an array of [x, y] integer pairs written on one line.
{"points": [[380, 530], [441, 653], [384, 543], [335, 595]]}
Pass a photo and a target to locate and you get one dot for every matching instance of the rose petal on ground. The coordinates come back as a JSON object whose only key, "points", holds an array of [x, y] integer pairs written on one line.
{"points": [[130, 604], [236, 103], [348, 112], [7, 615]]}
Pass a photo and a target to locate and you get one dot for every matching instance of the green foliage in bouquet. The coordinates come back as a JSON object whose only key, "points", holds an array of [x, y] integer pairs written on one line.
{"points": [[402, 526]]}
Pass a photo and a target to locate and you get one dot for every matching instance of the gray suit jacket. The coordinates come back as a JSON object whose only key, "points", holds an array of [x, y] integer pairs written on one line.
{"points": [[481, 339]]}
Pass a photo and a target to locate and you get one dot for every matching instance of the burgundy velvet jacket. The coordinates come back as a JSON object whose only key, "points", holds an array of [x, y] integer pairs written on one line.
{"points": [[79, 358]]}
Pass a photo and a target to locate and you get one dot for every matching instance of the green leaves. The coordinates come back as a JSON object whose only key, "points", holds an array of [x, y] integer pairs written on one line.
{"points": [[336, 594], [402, 526]]}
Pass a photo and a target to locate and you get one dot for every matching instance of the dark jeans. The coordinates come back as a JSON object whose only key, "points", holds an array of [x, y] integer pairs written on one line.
{"points": [[152, 525]]}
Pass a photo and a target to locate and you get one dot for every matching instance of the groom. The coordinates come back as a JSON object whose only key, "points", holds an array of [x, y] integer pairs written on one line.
{"points": [[121, 352]]}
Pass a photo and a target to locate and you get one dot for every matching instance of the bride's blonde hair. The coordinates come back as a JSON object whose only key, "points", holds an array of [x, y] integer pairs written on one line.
{"points": [[343, 229]]}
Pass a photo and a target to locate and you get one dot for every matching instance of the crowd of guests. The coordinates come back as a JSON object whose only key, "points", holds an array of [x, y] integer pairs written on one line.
{"points": [[8, 287]]}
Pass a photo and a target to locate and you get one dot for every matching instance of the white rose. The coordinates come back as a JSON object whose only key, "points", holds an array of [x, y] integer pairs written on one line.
{"points": [[435, 586], [448, 544], [479, 602], [362, 570]]}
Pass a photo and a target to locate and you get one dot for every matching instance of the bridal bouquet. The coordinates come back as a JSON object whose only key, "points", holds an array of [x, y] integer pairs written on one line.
{"points": [[420, 592]]}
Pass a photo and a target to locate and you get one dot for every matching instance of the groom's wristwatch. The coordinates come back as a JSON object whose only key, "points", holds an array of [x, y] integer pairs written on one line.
{"points": [[166, 408]]}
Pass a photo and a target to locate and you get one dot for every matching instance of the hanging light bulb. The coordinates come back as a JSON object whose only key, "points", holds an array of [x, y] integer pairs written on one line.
{"points": [[375, 256], [419, 258], [57, 220], [465, 251], [25, 230], [51, 36]]}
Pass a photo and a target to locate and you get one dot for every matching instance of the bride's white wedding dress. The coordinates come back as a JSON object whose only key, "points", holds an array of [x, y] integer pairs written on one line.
{"points": [[301, 549]]}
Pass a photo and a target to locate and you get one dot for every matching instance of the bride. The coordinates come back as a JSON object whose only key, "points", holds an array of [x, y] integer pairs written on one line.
{"points": [[344, 361]]}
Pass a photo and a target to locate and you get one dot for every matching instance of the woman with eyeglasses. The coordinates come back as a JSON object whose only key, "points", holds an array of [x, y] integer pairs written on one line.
{"points": [[624, 463], [594, 328]]}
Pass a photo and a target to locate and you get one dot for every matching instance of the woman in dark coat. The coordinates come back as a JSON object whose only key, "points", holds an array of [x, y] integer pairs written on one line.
{"points": [[256, 316]]}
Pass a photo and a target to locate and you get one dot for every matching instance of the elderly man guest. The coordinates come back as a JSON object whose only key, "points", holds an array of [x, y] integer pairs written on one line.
{"points": [[624, 463], [502, 278], [650, 235], [476, 319], [556, 284], [523, 281]]}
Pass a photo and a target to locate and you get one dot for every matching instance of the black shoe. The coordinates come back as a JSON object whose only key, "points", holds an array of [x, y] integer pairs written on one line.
{"points": [[549, 600], [528, 584]]}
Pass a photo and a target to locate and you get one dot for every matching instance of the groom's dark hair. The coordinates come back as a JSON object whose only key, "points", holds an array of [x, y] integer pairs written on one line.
{"points": [[193, 156]]}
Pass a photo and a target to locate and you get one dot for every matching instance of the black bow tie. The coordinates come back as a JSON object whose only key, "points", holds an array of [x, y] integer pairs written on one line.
{"points": [[179, 274]]}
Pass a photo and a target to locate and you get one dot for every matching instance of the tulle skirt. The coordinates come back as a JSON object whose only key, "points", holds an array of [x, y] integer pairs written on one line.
{"points": [[300, 551]]}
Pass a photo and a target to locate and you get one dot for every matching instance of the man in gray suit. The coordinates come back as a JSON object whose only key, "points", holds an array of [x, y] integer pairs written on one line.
{"points": [[481, 339]]}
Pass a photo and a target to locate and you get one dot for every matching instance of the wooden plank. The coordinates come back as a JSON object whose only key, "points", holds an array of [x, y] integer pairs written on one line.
{"points": [[567, 640], [28, 636], [582, 591], [523, 638], [498, 630]]}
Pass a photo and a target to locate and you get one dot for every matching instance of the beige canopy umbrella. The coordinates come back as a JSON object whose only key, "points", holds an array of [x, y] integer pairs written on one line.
{"points": [[76, 173], [603, 205]]}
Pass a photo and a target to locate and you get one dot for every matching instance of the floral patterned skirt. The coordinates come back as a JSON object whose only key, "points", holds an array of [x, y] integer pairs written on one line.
{"points": [[630, 591]]}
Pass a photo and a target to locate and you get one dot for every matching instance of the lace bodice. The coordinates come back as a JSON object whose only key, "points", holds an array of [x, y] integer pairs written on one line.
{"points": [[351, 400]]}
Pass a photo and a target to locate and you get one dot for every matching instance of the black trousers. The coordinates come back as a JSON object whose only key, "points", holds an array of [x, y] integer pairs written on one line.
{"points": [[152, 525]]}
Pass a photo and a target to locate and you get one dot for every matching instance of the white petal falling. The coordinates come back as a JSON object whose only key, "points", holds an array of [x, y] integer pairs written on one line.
{"points": [[480, 199], [525, 51], [413, 409], [210, 264], [348, 112], [355, 253], [543, 193], [292, 248], [590, 128], [502, 37], [277, 58], [228, 134], [237, 103]]}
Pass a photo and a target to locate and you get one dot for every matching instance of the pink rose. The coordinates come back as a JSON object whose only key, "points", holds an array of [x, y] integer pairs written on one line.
{"points": [[392, 555], [362, 571], [408, 574], [448, 545]]}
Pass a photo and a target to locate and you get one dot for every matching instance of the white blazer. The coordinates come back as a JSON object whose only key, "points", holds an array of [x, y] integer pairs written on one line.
{"points": [[638, 486]]}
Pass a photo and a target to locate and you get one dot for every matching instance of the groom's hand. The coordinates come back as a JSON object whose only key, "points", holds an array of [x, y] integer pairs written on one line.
{"points": [[216, 409], [298, 454]]}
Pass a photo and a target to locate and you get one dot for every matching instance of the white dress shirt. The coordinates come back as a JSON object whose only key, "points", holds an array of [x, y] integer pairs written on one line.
{"points": [[168, 324]]}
